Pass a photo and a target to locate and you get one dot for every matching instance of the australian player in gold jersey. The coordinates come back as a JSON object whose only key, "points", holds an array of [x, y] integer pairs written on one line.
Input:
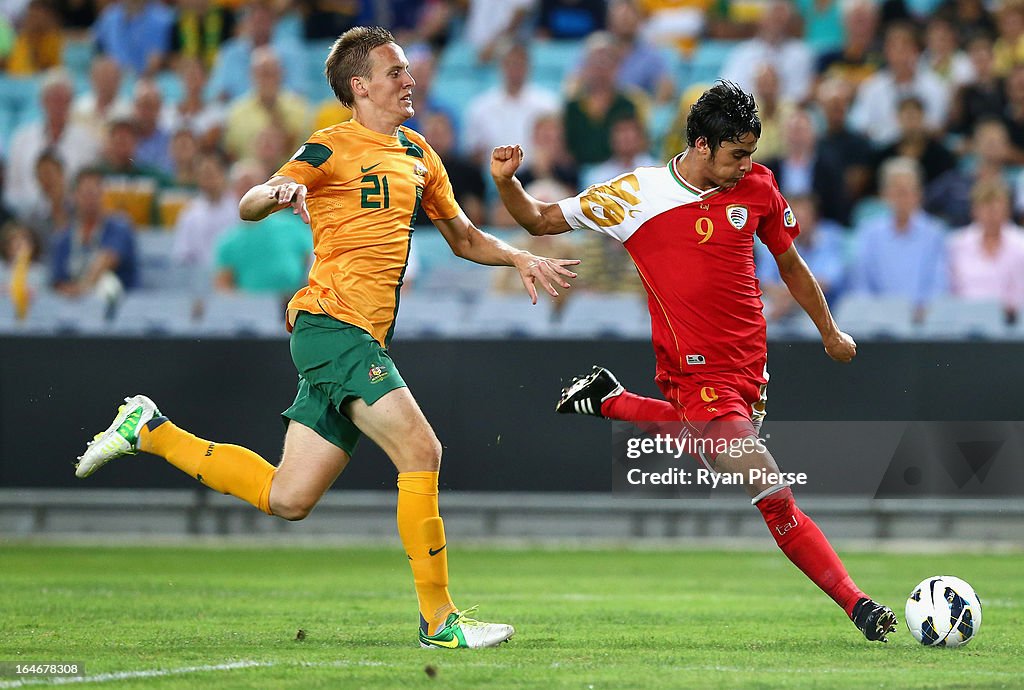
{"points": [[360, 185]]}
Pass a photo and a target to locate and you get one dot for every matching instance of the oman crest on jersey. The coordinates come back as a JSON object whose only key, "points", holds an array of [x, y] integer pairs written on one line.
{"points": [[737, 215]]}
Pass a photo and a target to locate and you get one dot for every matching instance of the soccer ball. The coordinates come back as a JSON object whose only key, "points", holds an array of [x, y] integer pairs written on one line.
{"points": [[943, 611]]}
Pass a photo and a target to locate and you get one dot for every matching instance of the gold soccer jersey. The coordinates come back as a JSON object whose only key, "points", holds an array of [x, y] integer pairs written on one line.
{"points": [[364, 192]]}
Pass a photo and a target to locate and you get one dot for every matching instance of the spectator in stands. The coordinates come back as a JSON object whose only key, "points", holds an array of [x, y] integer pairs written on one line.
{"points": [[94, 107], [518, 101], [570, 19], [154, 141], [136, 34], [1013, 113], [73, 143], [943, 56], [980, 98], [328, 19], [53, 210], [841, 149], [630, 150], [643, 67], [970, 17], [120, 157], [917, 142], [802, 172], [273, 145], [267, 104], [598, 103], [986, 158], [130, 187], [77, 16], [213, 210], [422, 66], [902, 252], [267, 256], [185, 159], [200, 27], [874, 111], [821, 243], [489, 23], [39, 45], [987, 257], [230, 78], [95, 246], [822, 23], [465, 174], [1009, 45], [676, 23], [773, 109], [205, 119], [674, 140], [21, 273], [550, 158], [773, 45], [860, 55]]}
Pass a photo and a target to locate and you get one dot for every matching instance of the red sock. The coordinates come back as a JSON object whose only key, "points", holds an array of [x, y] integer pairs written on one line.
{"points": [[808, 549], [630, 407]]}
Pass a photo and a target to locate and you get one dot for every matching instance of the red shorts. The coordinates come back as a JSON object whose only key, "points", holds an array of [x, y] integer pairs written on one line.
{"points": [[734, 399]]}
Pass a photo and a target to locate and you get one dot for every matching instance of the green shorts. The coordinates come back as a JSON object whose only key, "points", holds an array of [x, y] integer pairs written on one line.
{"points": [[337, 362]]}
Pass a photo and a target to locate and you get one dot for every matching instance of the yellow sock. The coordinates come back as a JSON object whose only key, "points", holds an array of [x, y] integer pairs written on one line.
{"points": [[222, 467], [422, 533]]}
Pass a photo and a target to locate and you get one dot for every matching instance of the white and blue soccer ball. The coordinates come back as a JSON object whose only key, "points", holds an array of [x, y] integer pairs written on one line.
{"points": [[943, 611]]}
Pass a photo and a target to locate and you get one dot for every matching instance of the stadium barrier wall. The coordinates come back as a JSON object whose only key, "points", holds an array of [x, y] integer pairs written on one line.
{"points": [[490, 401]]}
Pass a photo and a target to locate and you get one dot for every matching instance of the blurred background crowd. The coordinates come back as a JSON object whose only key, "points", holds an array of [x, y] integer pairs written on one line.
{"points": [[129, 130]]}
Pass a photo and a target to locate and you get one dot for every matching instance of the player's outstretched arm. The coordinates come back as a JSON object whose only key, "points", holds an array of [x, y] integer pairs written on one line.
{"points": [[537, 217], [273, 195], [806, 291], [469, 242]]}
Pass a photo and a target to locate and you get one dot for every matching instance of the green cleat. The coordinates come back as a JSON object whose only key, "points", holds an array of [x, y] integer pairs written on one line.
{"points": [[120, 438], [461, 631]]}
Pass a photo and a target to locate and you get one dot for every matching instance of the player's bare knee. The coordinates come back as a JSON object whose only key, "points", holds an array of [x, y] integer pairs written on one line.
{"points": [[292, 508], [420, 454]]}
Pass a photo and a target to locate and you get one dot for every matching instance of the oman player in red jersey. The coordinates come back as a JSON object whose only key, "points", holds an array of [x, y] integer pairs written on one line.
{"points": [[689, 227]]}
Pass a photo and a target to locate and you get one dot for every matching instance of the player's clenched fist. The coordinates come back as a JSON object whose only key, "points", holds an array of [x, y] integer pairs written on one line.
{"points": [[505, 160], [841, 348]]}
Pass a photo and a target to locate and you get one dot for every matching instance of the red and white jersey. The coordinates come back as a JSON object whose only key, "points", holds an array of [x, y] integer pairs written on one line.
{"points": [[694, 251]]}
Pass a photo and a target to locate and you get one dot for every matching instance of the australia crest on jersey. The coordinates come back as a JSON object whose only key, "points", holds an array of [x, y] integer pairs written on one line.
{"points": [[737, 215]]}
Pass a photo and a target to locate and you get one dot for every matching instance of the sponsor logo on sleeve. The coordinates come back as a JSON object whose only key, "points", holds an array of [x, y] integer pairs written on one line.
{"points": [[788, 219]]}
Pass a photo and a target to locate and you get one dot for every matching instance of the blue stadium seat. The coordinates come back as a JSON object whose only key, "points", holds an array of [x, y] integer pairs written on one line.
{"points": [[954, 317], [504, 316], [708, 60], [430, 314], [874, 316], [595, 314], [154, 313], [245, 315]]}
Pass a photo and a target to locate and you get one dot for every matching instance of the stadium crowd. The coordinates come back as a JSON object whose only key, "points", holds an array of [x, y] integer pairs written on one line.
{"points": [[895, 129]]}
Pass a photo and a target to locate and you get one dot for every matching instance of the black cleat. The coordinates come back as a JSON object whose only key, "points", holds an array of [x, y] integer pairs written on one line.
{"points": [[585, 395], [874, 620]]}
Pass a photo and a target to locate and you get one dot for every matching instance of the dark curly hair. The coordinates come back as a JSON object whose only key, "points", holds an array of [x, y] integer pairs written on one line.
{"points": [[725, 112]]}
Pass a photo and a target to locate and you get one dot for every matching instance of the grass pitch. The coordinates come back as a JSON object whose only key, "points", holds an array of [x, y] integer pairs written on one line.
{"points": [[229, 617]]}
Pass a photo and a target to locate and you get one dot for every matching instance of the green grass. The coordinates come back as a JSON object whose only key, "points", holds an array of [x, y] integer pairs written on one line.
{"points": [[605, 618]]}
